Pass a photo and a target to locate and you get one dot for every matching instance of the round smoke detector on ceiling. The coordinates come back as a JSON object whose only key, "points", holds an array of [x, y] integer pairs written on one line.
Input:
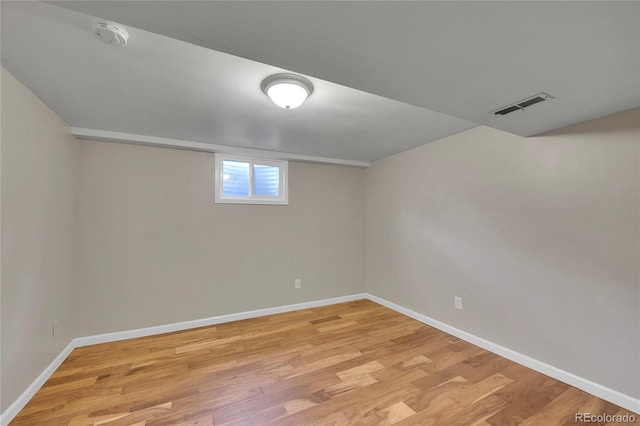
{"points": [[111, 33]]}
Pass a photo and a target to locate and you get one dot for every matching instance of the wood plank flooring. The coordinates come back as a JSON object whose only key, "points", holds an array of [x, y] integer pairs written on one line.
{"points": [[354, 363]]}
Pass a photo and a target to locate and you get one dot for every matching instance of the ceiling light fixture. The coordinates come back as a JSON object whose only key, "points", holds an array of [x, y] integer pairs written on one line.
{"points": [[288, 91]]}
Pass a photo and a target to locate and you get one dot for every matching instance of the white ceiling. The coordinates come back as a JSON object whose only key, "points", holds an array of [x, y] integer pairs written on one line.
{"points": [[159, 86], [464, 59]]}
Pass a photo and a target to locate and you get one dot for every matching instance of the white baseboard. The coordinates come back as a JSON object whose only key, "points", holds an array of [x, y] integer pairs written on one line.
{"points": [[186, 325], [23, 399], [618, 398], [626, 401]]}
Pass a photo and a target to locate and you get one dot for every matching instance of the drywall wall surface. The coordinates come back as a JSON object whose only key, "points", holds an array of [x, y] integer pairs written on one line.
{"points": [[155, 248], [39, 240], [538, 235]]}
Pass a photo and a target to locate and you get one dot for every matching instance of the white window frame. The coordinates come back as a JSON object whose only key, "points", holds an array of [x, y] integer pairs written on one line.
{"points": [[283, 167]]}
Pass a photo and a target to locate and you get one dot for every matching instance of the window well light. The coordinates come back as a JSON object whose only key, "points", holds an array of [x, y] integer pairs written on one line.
{"points": [[288, 91]]}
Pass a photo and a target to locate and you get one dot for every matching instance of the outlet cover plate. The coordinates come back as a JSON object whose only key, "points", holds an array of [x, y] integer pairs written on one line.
{"points": [[457, 302]]}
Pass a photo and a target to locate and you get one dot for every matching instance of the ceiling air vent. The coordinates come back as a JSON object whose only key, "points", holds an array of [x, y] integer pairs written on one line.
{"points": [[521, 105]]}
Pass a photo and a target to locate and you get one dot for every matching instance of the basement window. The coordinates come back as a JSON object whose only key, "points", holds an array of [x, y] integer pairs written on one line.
{"points": [[246, 180]]}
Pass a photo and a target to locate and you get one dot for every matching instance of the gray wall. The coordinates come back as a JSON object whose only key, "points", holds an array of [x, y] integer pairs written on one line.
{"points": [[39, 204], [109, 237], [155, 249], [539, 236]]}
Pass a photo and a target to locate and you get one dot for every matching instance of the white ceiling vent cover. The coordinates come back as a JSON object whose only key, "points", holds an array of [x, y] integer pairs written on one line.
{"points": [[521, 105], [111, 33]]}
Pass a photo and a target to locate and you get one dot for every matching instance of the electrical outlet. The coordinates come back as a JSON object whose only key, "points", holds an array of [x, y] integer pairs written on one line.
{"points": [[457, 302], [55, 328], [298, 283]]}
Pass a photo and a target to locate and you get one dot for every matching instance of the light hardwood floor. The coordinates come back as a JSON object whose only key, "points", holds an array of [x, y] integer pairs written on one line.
{"points": [[351, 363]]}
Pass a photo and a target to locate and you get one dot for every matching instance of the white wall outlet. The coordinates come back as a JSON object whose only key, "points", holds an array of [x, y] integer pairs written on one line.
{"points": [[55, 328], [298, 283], [457, 302]]}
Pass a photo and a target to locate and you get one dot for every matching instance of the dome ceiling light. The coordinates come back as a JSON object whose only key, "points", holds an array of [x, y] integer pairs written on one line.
{"points": [[288, 91]]}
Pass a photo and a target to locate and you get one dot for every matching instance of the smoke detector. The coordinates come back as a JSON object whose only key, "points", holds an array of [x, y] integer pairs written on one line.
{"points": [[110, 33]]}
